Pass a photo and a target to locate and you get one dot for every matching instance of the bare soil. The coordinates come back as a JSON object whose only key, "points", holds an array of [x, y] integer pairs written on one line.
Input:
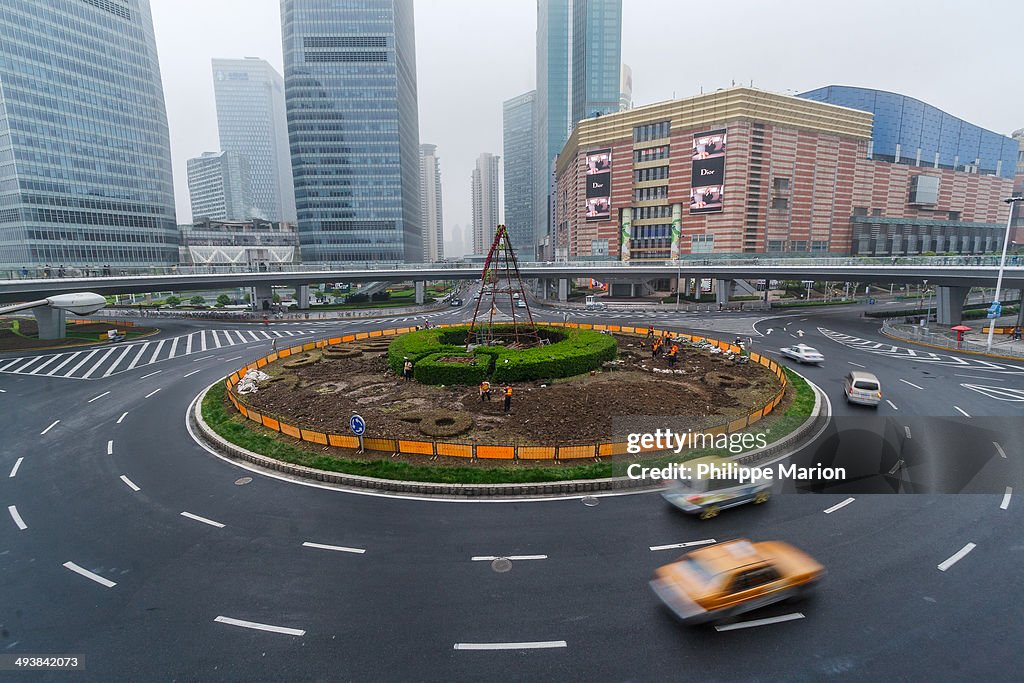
{"points": [[576, 410]]}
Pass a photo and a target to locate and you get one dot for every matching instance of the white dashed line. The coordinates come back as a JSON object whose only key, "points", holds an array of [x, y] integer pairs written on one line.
{"points": [[959, 555], [14, 470], [760, 622], [260, 627], [906, 430], [89, 575], [687, 544], [151, 374], [891, 404], [232, 358], [829, 511], [856, 364], [96, 398], [152, 393], [535, 645], [336, 548], [1006, 498], [110, 447], [196, 360], [999, 449], [962, 411], [130, 483], [492, 558], [52, 425], [204, 520], [17, 517], [192, 373], [121, 419], [912, 384]]}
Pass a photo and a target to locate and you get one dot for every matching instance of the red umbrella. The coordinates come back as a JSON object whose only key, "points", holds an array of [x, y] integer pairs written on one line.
{"points": [[960, 329]]}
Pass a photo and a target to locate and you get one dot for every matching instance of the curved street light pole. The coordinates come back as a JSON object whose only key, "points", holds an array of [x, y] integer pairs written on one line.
{"points": [[1002, 264]]}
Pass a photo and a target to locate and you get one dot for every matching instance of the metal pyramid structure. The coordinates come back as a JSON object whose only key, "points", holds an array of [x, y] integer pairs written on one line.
{"points": [[500, 282]]}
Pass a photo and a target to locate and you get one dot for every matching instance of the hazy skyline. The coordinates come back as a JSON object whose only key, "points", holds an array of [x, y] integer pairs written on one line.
{"points": [[472, 55]]}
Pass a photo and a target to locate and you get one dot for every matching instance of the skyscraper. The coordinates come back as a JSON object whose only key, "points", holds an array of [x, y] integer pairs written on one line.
{"points": [[219, 186], [518, 125], [252, 124], [350, 93], [626, 88], [485, 201], [85, 161], [430, 200], [579, 53]]}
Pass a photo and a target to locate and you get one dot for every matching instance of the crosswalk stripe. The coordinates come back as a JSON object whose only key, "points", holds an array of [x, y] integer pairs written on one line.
{"points": [[188, 344], [8, 364], [21, 368], [51, 359], [138, 356], [117, 361], [216, 340], [81, 363], [67, 360], [96, 366], [174, 347], [156, 353]]}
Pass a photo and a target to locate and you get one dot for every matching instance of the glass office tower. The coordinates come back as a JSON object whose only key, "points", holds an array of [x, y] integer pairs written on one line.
{"points": [[596, 57], [518, 126], [251, 124], [552, 105], [85, 161], [350, 92]]}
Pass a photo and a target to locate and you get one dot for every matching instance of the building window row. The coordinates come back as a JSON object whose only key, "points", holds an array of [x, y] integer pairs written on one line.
{"points": [[313, 57], [702, 244], [650, 154], [313, 42], [644, 212], [645, 194], [652, 131], [652, 231], [645, 174]]}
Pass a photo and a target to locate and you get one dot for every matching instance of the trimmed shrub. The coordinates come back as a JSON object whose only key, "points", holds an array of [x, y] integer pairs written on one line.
{"points": [[433, 370], [418, 345], [580, 352]]}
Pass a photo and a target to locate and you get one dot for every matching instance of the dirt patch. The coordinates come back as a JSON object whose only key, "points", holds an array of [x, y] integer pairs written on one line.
{"points": [[324, 395]]}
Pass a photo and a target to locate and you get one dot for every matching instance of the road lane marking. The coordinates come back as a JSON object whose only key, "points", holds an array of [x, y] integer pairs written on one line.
{"points": [[151, 374], [96, 366], [14, 470], [891, 404], [196, 360], [17, 517], [138, 357], [1006, 498], [232, 358], [492, 558], [96, 398], [204, 520], [990, 379], [110, 447], [999, 449], [959, 555], [159, 347], [40, 367], [130, 483], [829, 511], [152, 393], [906, 430], [760, 622], [260, 627], [962, 411], [121, 419], [534, 645], [687, 544], [337, 548], [89, 575], [192, 373], [912, 384], [67, 360], [117, 361], [856, 364], [54, 424]]}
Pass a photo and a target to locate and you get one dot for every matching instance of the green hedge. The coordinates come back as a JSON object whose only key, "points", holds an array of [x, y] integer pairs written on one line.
{"points": [[430, 369], [569, 353]]}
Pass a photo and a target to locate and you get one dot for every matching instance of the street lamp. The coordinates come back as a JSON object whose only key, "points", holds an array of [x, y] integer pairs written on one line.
{"points": [[1002, 264], [679, 273]]}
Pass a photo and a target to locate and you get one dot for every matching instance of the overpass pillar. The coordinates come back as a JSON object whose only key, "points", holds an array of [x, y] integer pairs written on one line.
{"points": [[949, 304], [52, 322], [563, 289], [421, 288], [723, 288], [302, 295], [262, 296]]}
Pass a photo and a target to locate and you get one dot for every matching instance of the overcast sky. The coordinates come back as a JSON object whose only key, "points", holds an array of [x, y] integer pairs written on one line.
{"points": [[474, 54]]}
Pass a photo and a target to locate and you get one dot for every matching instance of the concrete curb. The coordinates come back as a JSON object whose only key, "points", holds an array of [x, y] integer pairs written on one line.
{"points": [[211, 439]]}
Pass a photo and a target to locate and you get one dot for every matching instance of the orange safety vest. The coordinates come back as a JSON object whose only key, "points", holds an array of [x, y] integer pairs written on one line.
{"points": [[508, 391], [485, 386]]}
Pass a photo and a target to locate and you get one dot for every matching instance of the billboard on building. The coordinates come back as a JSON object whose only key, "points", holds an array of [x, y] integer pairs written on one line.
{"points": [[707, 184], [599, 185]]}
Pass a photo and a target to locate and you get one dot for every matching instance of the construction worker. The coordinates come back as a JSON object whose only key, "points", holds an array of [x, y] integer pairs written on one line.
{"points": [[659, 346], [508, 399], [673, 354], [485, 391], [407, 369]]}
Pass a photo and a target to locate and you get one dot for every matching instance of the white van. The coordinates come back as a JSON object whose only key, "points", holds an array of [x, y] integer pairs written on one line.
{"points": [[593, 304]]}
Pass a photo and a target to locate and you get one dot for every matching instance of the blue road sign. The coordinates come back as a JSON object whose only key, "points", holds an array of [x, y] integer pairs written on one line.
{"points": [[357, 425]]}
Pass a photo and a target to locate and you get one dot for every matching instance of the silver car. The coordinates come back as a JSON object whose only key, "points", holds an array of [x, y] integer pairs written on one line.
{"points": [[706, 496], [863, 388]]}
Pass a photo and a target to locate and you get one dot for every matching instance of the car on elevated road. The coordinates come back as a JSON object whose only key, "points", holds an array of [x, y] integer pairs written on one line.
{"points": [[802, 353], [723, 580]]}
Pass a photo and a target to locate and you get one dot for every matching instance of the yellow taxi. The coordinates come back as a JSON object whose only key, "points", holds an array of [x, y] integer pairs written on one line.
{"points": [[726, 579]]}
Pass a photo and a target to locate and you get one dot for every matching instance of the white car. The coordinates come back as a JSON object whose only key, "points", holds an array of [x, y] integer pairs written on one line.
{"points": [[520, 303], [802, 353]]}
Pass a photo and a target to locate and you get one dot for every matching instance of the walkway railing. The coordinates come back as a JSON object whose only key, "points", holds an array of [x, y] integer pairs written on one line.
{"points": [[922, 335]]}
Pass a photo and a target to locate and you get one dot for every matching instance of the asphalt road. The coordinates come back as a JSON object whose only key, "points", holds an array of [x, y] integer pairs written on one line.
{"points": [[105, 488]]}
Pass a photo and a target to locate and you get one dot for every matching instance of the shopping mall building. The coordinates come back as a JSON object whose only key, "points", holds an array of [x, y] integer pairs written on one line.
{"points": [[835, 171]]}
